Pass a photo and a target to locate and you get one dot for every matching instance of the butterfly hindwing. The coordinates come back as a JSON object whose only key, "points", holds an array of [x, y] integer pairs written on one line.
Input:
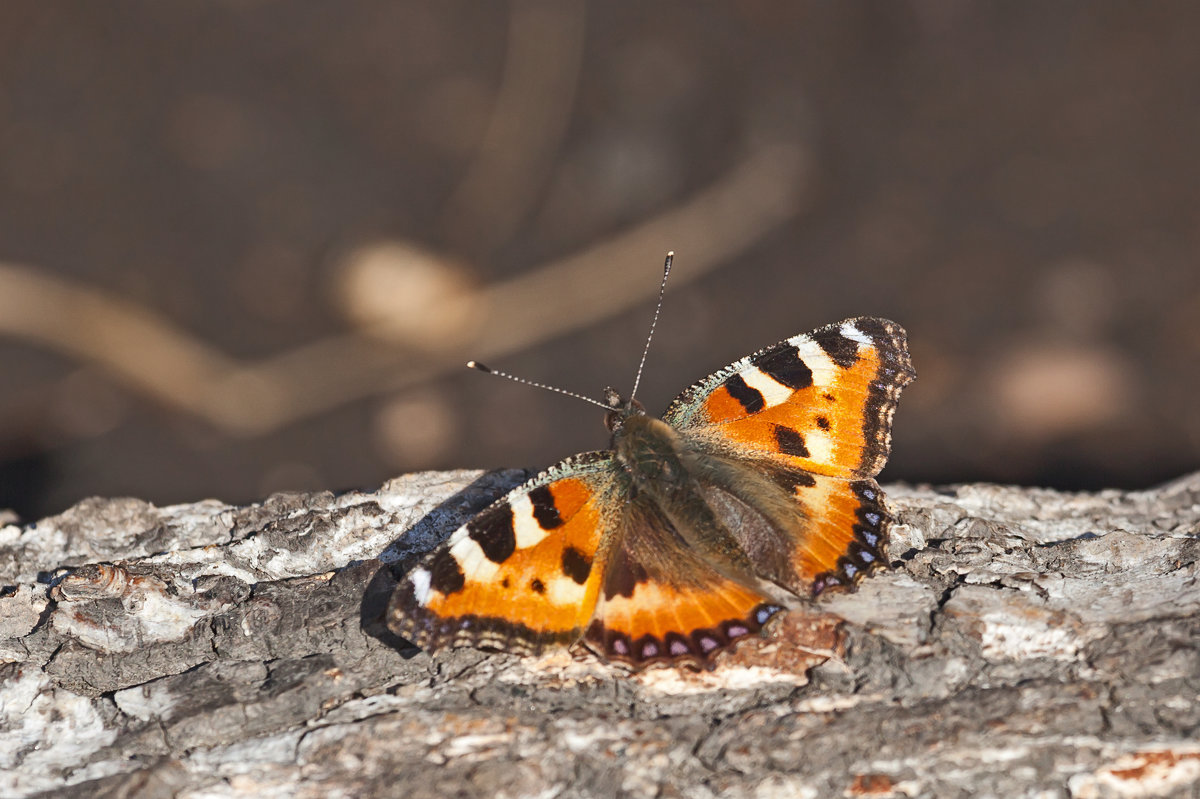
{"points": [[805, 532], [845, 536], [822, 401], [662, 601], [519, 576]]}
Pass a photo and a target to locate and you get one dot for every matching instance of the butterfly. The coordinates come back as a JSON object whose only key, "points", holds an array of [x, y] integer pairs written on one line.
{"points": [[673, 544]]}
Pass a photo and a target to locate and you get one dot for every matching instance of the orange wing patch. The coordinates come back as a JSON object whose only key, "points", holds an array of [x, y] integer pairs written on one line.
{"points": [[520, 576], [823, 401]]}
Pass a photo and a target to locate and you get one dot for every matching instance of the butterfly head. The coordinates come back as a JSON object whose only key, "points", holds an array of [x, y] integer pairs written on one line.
{"points": [[620, 409]]}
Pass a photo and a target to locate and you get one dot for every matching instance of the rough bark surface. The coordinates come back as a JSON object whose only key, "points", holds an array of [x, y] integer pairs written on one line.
{"points": [[1025, 643]]}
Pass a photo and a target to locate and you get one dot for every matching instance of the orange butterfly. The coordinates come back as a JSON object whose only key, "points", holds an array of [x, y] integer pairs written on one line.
{"points": [[665, 547]]}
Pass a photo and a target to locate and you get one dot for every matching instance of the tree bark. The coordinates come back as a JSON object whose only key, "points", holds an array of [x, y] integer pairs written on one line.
{"points": [[1025, 642]]}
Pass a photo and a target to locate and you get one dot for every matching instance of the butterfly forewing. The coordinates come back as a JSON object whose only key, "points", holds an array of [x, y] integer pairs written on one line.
{"points": [[522, 574], [823, 401]]}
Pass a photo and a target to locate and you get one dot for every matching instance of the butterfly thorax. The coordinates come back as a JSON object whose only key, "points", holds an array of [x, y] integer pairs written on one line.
{"points": [[651, 453]]}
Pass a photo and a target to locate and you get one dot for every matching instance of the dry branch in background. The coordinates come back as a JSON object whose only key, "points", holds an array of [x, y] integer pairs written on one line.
{"points": [[148, 353], [1027, 642]]}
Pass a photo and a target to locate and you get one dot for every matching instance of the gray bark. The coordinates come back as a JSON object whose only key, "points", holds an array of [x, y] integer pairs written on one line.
{"points": [[1025, 643]]}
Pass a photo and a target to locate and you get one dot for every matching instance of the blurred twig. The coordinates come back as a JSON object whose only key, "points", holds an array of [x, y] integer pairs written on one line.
{"points": [[528, 121], [150, 354], [142, 348]]}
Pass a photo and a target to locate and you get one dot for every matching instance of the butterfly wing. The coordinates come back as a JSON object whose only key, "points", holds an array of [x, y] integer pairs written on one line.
{"points": [[519, 576], [789, 439], [663, 601], [821, 401]]}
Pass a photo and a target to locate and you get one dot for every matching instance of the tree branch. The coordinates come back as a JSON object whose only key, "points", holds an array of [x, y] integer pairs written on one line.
{"points": [[1024, 640]]}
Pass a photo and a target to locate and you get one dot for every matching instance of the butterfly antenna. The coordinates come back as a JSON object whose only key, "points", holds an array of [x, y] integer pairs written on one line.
{"points": [[487, 369], [662, 288]]}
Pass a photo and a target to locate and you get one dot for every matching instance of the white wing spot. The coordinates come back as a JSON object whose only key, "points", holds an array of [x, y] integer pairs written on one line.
{"points": [[564, 591], [824, 371], [474, 564], [525, 525], [420, 582], [773, 392], [820, 445], [854, 334]]}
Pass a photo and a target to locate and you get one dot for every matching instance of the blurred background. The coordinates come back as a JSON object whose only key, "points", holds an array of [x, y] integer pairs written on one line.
{"points": [[247, 246]]}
